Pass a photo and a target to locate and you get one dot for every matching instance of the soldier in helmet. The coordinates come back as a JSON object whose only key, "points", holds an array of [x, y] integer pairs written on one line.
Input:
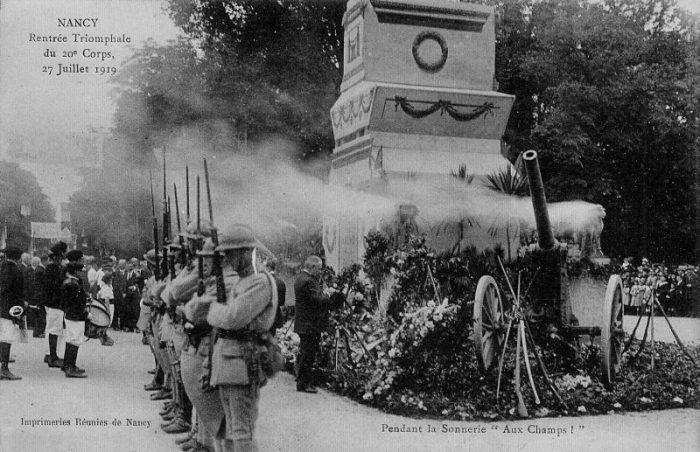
{"points": [[244, 317]]}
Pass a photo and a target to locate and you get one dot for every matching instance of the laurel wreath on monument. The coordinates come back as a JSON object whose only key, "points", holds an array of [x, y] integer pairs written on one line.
{"points": [[437, 37], [443, 106]]}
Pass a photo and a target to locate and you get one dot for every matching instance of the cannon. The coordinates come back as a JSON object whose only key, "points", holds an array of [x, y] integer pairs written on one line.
{"points": [[547, 312]]}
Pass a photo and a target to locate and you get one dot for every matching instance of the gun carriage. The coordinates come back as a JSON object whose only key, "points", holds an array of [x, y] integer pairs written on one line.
{"points": [[543, 309]]}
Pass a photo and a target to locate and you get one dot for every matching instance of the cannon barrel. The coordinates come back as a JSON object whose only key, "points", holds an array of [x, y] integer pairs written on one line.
{"points": [[539, 201]]}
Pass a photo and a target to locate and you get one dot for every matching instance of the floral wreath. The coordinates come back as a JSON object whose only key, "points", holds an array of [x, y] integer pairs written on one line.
{"points": [[437, 37]]}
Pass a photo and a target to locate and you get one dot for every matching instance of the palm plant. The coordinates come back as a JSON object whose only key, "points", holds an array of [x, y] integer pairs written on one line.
{"points": [[507, 181]]}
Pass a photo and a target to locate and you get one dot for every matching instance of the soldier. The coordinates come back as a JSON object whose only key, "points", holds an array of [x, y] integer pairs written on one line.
{"points": [[177, 290], [11, 298], [210, 411], [74, 303], [52, 302], [243, 320]]}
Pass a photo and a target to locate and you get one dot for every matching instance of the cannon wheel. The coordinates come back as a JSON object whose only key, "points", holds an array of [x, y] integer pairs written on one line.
{"points": [[612, 334], [489, 321]]}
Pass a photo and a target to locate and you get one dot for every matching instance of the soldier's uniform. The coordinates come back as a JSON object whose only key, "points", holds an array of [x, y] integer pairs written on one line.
{"points": [[209, 409], [249, 312]]}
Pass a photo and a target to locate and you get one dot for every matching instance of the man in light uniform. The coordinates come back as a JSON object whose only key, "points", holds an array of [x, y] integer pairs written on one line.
{"points": [[248, 312]]}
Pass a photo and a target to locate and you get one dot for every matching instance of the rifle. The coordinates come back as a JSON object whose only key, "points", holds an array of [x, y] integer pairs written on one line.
{"points": [[200, 258], [166, 217], [183, 249], [216, 271], [156, 271], [171, 260], [216, 267]]}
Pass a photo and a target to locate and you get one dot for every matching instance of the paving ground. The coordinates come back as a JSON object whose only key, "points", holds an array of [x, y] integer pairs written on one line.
{"points": [[290, 421]]}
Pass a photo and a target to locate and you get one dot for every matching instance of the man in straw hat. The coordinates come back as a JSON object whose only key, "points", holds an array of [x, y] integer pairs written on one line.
{"points": [[246, 315], [11, 307], [53, 278]]}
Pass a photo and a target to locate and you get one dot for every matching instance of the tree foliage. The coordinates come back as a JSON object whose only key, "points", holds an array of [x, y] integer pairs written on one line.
{"points": [[257, 68], [607, 92], [603, 94], [20, 188]]}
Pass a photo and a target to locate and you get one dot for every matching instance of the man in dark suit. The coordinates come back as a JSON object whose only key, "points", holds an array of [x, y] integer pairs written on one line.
{"points": [[119, 286], [11, 296], [39, 313], [134, 286], [310, 318], [53, 278]]}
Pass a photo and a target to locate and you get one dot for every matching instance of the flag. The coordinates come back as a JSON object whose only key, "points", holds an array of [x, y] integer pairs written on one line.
{"points": [[25, 210], [3, 238]]}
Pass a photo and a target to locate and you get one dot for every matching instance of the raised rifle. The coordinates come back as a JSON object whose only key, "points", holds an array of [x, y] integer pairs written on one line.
{"points": [[200, 258], [171, 260], [216, 268], [217, 272], [166, 220], [183, 249], [156, 271]]}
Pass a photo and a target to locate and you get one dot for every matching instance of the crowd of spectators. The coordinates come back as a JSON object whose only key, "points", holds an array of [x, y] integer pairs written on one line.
{"points": [[676, 288]]}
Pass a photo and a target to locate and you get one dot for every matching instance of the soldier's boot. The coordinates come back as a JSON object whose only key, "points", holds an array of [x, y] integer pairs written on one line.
{"points": [[171, 414], [167, 408], [163, 394], [66, 364], [53, 359], [192, 444], [72, 371], [179, 425], [5, 373], [106, 340], [185, 438]]}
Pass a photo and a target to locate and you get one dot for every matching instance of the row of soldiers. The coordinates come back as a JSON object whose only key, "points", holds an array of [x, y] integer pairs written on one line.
{"points": [[210, 311]]}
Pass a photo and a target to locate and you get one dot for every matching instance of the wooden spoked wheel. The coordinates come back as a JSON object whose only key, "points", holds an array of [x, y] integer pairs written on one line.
{"points": [[489, 322], [612, 334]]}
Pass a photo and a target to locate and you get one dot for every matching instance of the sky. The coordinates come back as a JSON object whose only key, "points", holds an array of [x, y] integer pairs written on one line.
{"points": [[46, 107]]}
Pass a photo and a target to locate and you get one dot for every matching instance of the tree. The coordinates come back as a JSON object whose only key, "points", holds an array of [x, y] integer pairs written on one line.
{"points": [[608, 106], [20, 188], [252, 68]]}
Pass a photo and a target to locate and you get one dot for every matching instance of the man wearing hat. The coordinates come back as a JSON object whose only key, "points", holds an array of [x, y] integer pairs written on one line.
{"points": [[74, 304], [310, 317], [53, 279], [209, 409], [246, 315], [11, 307], [134, 286]]}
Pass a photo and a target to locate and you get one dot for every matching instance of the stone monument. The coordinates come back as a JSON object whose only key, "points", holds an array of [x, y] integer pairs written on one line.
{"points": [[418, 98]]}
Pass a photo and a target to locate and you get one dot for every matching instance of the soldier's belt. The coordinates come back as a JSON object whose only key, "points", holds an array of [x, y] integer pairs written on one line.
{"points": [[240, 335]]}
